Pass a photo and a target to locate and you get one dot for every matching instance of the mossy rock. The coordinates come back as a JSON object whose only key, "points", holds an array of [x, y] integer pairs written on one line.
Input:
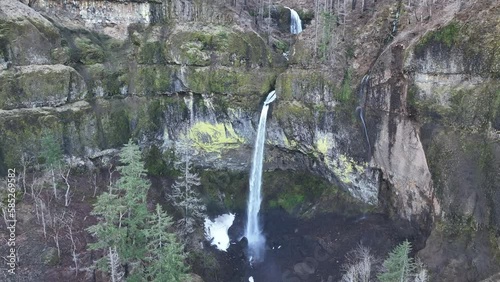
{"points": [[470, 48], [151, 52], [314, 88], [219, 45], [293, 112], [61, 55], [214, 138], [448, 35], [89, 51], [21, 131], [40, 86], [231, 185], [104, 81], [150, 80], [468, 108], [27, 35], [223, 80]]}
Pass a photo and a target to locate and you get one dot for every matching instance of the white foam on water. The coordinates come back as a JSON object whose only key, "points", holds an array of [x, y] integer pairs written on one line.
{"points": [[216, 231]]}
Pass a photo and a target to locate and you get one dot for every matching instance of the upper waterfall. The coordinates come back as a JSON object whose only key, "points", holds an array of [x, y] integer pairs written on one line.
{"points": [[253, 230], [295, 22]]}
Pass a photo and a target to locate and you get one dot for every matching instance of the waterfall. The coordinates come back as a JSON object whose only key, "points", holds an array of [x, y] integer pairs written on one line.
{"points": [[295, 22], [366, 132], [253, 231], [362, 89]]}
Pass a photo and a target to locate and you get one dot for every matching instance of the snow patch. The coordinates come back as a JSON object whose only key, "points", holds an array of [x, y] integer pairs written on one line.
{"points": [[216, 231]]}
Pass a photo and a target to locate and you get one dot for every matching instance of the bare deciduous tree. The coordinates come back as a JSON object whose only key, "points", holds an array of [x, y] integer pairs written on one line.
{"points": [[65, 176], [71, 237], [359, 265], [26, 161], [421, 274], [114, 265], [183, 194], [57, 223], [93, 178]]}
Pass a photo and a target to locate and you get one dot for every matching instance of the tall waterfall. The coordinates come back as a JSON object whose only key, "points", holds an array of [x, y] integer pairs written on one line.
{"points": [[295, 22], [253, 230], [362, 90]]}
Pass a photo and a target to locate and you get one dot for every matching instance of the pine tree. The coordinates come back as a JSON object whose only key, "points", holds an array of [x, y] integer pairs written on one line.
{"points": [[51, 152], [123, 209], [124, 229], [183, 194], [165, 254], [398, 267]]}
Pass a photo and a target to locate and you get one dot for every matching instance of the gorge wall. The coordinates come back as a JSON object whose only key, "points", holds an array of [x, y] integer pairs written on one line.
{"points": [[96, 73]]}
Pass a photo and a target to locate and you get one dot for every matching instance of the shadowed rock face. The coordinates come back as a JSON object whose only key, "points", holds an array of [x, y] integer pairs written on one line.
{"points": [[96, 73]]}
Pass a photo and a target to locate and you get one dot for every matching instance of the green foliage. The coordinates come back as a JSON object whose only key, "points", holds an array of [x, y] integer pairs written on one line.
{"points": [[345, 94], [165, 255], [328, 20], [448, 35], [306, 16], [154, 163], [398, 267], [282, 46], [51, 151], [88, 52], [233, 185], [150, 53], [206, 262], [120, 129], [141, 239], [289, 191], [286, 189], [288, 201]]}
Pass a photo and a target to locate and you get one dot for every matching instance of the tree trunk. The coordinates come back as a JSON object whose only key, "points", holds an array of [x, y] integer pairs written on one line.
{"points": [[54, 186]]}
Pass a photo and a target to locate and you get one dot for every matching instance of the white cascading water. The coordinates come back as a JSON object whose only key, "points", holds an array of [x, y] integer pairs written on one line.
{"points": [[361, 94], [253, 230], [295, 22]]}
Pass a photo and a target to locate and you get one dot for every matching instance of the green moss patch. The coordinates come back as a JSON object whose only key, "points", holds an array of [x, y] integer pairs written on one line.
{"points": [[301, 84], [152, 80], [448, 35], [469, 109], [40, 86], [89, 51], [214, 138], [230, 81], [225, 46]]}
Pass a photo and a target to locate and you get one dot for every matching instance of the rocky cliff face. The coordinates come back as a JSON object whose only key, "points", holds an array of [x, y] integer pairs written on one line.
{"points": [[454, 95], [96, 73]]}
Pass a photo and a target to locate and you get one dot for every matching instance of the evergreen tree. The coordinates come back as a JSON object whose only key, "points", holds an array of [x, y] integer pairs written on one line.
{"points": [[123, 230], [398, 267], [165, 254], [183, 194], [51, 152]]}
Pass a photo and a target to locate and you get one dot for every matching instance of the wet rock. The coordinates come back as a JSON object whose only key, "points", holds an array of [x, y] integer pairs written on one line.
{"points": [[305, 268]]}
